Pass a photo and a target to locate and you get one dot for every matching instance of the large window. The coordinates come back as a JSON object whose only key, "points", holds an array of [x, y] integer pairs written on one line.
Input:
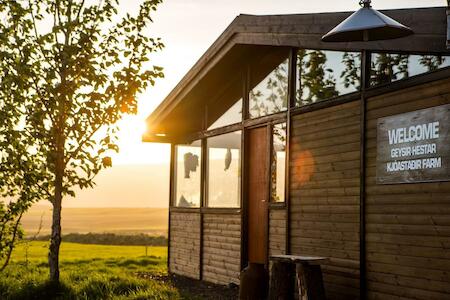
{"points": [[225, 106], [188, 175], [326, 74], [232, 116], [278, 163], [271, 94], [224, 170], [389, 67]]}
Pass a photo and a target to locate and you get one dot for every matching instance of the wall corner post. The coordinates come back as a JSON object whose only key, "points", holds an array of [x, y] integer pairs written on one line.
{"points": [[365, 81]]}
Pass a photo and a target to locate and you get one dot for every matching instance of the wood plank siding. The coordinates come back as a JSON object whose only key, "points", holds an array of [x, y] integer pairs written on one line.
{"points": [[407, 225], [221, 248], [324, 191], [185, 244], [277, 231]]}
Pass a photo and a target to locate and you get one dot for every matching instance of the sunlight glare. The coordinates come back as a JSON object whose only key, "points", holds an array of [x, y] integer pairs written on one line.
{"points": [[133, 150]]}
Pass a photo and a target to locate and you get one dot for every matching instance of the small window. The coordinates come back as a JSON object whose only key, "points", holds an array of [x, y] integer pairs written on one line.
{"points": [[188, 175], [278, 165], [390, 67], [326, 74], [232, 116], [224, 170], [271, 94]]}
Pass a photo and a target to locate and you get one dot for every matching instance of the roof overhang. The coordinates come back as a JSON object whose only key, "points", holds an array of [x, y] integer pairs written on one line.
{"points": [[252, 37]]}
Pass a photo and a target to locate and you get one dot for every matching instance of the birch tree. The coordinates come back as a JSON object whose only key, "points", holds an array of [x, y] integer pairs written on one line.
{"points": [[69, 70]]}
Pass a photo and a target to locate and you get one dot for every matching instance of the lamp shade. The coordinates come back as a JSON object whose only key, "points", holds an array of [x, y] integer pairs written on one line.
{"points": [[367, 24]]}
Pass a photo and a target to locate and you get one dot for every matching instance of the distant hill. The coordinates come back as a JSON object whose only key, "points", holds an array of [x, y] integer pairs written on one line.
{"points": [[128, 199], [151, 221]]}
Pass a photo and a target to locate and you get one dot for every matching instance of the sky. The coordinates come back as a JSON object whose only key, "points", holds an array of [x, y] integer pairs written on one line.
{"points": [[139, 176]]}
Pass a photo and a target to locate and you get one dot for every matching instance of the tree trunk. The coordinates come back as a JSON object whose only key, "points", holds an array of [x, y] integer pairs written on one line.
{"points": [[55, 239]]}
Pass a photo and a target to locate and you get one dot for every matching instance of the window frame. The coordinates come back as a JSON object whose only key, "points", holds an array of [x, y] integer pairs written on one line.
{"points": [[365, 90], [244, 99], [205, 202], [297, 86], [227, 125], [174, 173], [371, 87], [248, 116], [286, 165]]}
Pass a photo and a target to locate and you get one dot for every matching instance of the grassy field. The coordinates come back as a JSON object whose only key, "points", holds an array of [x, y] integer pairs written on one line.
{"points": [[89, 272]]}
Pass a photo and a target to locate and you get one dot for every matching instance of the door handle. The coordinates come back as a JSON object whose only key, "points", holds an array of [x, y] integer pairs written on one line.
{"points": [[263, 200]]}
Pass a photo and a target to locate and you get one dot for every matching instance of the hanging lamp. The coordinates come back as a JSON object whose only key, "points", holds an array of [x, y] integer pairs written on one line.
{"points": [[367, 24]]}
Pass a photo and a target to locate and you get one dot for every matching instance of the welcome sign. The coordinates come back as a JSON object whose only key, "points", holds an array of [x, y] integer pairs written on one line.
{"points": [[414, 147]]}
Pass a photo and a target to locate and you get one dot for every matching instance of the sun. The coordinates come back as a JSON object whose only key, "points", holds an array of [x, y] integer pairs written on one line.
{"points": [[132, 150]]}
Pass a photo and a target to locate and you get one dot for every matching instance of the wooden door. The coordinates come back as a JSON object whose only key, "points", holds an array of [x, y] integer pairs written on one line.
{"points": [[258, 194]]}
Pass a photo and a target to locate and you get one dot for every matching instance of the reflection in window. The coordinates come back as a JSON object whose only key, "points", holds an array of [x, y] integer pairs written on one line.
{"points": [[278, 165], [325, 74], [271, 94], [389, 67], [232, 116], [224, 170], [187, 175]]}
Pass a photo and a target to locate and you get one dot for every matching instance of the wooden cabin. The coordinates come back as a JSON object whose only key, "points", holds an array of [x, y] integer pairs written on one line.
{"points": [[284, 144]]}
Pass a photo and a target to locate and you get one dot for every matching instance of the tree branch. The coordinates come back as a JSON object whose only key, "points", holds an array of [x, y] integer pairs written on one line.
{"points": [[11, 245], [55, 22], [74, 153], [45, 191], [36, 88], [38, 231], [37, 34], [79, 10]]}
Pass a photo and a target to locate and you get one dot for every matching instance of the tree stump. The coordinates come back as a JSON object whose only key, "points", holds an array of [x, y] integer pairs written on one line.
{"points": [[310, 282], [282, 281], [307, 271]]}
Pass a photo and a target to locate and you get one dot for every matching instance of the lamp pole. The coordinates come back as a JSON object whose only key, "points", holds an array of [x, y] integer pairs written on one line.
{"points": [[366, 3]]}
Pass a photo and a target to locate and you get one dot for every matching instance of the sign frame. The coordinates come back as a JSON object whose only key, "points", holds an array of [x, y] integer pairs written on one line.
{"points": [[409, 154]]}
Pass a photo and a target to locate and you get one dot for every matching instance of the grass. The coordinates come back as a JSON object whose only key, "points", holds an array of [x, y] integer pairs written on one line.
{"points": [[88, 272]]}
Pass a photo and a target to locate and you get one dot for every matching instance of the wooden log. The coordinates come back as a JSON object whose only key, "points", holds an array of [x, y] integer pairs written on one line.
{"points": [[282, 281], [310, 282]]}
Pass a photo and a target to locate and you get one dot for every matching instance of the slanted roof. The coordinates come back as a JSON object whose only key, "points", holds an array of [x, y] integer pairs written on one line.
{"points": [[253, 38]]}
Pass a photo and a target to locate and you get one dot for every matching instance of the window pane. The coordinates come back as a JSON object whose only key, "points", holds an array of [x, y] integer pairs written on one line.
{"points": [[325, 74], [224, 170], [278, 166], [232, 116], [188, 174], [389, 67], [270, 95]]}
